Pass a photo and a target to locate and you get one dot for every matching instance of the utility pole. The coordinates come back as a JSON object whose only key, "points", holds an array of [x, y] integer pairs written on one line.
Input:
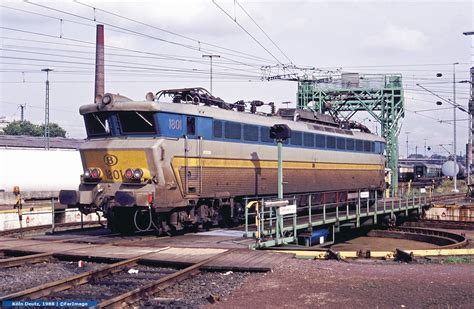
{"points": [[470, 141], [46, 112], [425, 148], [210, 56], [407, 142], [454, 128], [22, 112]]}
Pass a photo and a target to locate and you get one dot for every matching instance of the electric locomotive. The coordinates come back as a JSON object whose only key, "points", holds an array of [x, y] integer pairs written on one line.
{"points": [[190, 162]]}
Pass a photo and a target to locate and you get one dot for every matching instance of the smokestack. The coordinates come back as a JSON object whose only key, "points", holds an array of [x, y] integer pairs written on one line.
{"points": [[99, 64]]}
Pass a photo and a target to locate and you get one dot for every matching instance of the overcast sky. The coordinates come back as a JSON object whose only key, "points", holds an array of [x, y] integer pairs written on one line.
{"points": [[164, 50]]}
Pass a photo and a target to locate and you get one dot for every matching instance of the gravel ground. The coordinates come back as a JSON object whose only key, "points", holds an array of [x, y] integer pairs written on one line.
{"points": [[20, 278], [205, 288], [116, 284], [357, 284]]}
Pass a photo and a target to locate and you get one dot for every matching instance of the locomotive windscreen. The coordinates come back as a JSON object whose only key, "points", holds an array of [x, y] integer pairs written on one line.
{"points": [[97, 124], [129, 122], [137, 122]]}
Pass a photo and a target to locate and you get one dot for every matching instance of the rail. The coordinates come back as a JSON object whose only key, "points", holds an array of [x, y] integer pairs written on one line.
{"points": [[57, 228], [68, 283], [159, 285], [50, 288]]}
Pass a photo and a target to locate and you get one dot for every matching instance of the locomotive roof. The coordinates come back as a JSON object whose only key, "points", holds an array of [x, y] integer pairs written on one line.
{"points": [[221, 114]]}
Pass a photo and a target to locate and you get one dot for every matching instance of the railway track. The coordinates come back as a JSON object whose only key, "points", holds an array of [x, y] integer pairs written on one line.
{"points": [[58, 227], [92, 284], [443, 239], [27, 259], [442, 224]]}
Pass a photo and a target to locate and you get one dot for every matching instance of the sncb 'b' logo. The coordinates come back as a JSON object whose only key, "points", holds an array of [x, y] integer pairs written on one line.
{"points": [[110, 160]]}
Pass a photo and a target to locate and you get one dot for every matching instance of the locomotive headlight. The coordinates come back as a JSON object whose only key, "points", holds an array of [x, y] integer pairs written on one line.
{"points": [[87, 173], [96, 173], [128, 173], [138, 173], [107, 99]]}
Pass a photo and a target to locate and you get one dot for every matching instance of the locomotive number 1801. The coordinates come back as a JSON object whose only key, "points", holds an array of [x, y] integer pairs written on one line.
{"points": [[175, 124]]}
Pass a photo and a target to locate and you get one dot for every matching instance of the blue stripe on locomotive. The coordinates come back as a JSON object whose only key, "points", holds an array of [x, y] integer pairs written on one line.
{"points": [[173, 125]]}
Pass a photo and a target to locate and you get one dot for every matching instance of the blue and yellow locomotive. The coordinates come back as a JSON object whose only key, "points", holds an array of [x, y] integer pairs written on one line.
{"points": [[190, 162]]}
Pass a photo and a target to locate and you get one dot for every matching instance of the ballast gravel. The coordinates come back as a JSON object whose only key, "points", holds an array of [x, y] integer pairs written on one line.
{"points": [[31, 275], [198, 291]]}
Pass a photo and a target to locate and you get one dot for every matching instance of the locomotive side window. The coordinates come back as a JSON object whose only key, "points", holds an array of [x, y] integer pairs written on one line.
{"points": [[350, 144], [97, 124], [366, 146], [250, 132], [191, 125], [331, 142], [308, 139], [341, 143], [217, 128], [296, 138], [320, 141], [265, 135], [137, 122], [232, 130], [378, 148], [359, 145]]}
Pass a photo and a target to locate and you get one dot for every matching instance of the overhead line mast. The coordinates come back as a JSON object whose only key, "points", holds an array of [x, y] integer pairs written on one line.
{"points": [[345, 94]]}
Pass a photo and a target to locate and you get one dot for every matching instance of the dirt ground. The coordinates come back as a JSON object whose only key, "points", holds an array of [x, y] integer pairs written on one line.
{"points": [[357, 284]]}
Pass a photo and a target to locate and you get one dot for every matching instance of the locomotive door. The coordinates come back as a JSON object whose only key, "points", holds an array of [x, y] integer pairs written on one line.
{"points": [[193, 158]]}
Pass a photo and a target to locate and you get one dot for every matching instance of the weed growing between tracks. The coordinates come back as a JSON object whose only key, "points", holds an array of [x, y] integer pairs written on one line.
{"points": [[447, 186], [457, 260]]}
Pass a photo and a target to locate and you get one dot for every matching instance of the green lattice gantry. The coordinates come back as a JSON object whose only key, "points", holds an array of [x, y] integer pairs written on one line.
{"points": [[379, 95]]}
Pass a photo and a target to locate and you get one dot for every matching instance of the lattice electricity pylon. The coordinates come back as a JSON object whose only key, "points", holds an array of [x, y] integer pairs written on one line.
{"points": [[379, 95]]}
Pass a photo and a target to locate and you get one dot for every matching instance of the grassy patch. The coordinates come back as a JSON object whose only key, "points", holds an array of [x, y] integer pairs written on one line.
{"points": [[446, 186], [457, 260]]}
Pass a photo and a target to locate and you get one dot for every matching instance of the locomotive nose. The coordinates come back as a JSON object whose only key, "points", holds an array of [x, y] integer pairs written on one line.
{"points": [[116, 166]]}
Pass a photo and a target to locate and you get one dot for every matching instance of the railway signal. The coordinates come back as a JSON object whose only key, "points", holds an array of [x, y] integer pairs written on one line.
{"points": [[280, 132]]}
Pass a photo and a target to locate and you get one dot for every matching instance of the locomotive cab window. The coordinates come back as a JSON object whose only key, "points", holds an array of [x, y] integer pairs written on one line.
{"points": [[97, 124], [137, 122]]}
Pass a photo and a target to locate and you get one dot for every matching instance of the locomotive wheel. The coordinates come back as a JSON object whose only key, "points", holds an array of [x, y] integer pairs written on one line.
{"points": [[224, 218]]}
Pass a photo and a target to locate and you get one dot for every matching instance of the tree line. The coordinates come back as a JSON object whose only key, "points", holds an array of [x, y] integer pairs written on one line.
{"points": [[25, 127]]}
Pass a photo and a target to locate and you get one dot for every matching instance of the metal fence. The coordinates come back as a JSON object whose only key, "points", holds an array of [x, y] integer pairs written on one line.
{"points": [[270, 227]]}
